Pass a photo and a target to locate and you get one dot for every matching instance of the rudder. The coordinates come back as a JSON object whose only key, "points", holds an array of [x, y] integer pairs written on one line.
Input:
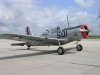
{"points": [[28, 31]]}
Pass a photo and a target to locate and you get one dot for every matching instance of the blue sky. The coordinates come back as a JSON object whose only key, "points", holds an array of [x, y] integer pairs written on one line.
{"points": [[40, 15], [93, 9]]}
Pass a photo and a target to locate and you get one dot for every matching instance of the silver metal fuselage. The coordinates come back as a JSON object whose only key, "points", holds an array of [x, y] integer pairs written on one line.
{"points": [[64, 36]]}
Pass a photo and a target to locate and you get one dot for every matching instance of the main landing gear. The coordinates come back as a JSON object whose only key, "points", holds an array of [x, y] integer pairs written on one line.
{"points": [[79, 47], [61, 50]]}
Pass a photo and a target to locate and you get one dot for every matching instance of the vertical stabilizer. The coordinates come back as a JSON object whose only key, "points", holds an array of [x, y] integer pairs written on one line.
{"points": [[28, 31]]}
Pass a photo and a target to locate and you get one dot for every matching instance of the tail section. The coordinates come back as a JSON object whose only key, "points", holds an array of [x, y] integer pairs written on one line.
{"points": [[28, 31]]}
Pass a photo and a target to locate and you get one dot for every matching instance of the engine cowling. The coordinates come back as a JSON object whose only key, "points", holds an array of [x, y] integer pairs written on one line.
{"points": [[84, 31], [78, 32]]}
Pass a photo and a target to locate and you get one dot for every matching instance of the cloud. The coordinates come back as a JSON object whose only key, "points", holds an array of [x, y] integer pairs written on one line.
{"points": [[15, 15], [86, 3]]}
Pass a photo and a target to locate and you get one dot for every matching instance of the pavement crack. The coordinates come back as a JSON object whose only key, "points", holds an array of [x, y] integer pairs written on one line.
{"points": [[86, 64]]}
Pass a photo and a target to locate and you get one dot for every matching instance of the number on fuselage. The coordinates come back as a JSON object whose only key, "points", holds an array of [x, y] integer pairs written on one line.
{"points": [[61, 33]]}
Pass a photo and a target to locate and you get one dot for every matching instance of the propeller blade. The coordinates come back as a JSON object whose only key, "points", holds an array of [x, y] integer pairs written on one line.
{"points": [[83, 30]]}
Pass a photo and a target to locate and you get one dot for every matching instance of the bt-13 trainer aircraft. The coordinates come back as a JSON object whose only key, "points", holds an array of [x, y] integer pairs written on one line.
{"points": [[55, 36]]}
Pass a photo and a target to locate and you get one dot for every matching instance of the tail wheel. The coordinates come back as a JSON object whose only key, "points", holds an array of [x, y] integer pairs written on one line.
{"points": [[60, 51], [79, 47], [28, 47]]}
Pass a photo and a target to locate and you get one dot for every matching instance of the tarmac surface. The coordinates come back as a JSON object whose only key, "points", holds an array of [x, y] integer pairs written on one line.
{"points": [[44, 60]]}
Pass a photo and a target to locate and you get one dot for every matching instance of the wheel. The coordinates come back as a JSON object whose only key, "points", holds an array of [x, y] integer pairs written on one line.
{"points": [[79, 47], [60, 51], [28, 47]]}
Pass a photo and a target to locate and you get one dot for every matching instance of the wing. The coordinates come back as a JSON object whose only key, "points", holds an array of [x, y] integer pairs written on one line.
{"points": [[18, 37], [27, 38]]}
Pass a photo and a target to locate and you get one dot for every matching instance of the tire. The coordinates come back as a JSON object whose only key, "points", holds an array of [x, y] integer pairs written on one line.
{"points": [[60, 51], [28, 47], [79, 47]]}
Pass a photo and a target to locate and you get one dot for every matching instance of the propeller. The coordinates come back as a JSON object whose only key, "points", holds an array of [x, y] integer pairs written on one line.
{"points": [[86, 31]]}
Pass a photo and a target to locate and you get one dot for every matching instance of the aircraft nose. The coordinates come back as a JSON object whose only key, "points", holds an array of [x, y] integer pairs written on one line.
{"points": [[84, 30]]}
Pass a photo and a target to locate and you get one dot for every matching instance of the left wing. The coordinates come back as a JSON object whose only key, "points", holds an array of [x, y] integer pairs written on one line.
{"points": [[18, 37], [27, 38]]}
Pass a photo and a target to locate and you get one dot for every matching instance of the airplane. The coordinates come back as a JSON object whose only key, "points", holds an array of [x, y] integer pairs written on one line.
{"points": [[55, 36]]}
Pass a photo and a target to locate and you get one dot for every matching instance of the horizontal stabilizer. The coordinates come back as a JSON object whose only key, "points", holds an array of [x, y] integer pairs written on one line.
{"points": [[18, 44]]}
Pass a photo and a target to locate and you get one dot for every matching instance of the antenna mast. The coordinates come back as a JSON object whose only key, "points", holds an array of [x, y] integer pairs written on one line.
{"points": [[99, 14], [67, 21]]}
